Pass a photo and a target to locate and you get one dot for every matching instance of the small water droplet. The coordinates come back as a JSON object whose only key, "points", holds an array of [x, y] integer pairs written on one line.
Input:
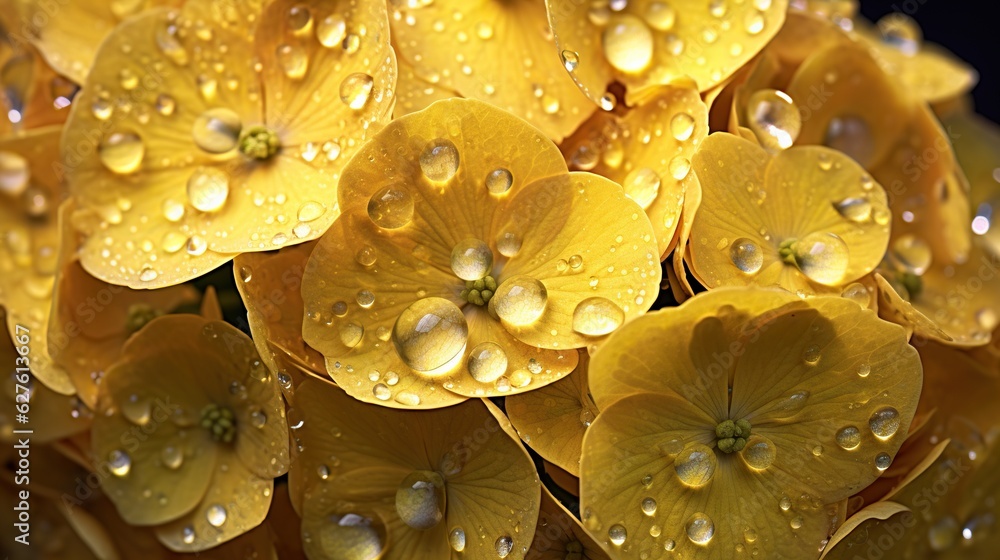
{"points": [[617, 534], [849, 437], [216, 515], [700, 529], [356, 89], [884, 422]]}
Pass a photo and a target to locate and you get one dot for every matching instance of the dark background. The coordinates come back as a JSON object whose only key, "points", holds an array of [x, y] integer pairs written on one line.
{"points": [[968, 29]]}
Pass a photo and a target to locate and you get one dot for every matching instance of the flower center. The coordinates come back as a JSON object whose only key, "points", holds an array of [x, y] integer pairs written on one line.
{"points": [[139, 315], [479, 292], [732, 436], [259, 143], [786, 252], [220, 423]]}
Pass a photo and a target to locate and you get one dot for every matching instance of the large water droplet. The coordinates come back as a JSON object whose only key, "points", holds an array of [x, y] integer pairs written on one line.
{"points": [[430, 333], [682, 126], [420, 500], [823, 257], [660, 16], [855, 209], [882, 461], [774, 119], [759, 453], [700, 529], [122, 152], [746, 255], [456, 538], [499, 181], [849, 437], [391, 207], [617, 534], [208, 189], [330, 31], [884, 422], [471, 259], [695, 465], [628, 43], [217, 131], [119, 462], [504, 545], [439, 160], [642, 185], [351, 537], [356, 89], [520, 300], [294, 61], [487, 362], [597, 316]]}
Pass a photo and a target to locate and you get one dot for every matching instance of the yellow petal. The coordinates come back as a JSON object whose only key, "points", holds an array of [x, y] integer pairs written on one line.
{"points": [[649, 152], [560, 534], [804, 219], [655, 43], [497, 52], [553, 419], [415, 94], [488, 485]]}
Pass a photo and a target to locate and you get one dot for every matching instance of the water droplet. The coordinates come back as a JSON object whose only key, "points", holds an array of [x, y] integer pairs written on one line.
{"points": [[499, 181], [570, 60], [852, 136], [391, 207], [504, 545], [700, 529], [864, 370], [648, 506], [628, 43], [682, 126], [854, 209], [356, 89], [597, 316], [216, 515], [208, 189], [439, 161], [901, 32], [293, 60], [487, 362], [172, 457], [366, 256], [642, 185], [381, 392], [679, 166], [823, 257], [759, 453], [119, 462], [882, 461], [196, 246], [660, 16], [520, 300], [471, 259], [884, 422], [420, 500], [365, 298], [746, 255], [695, 464], [351, 537], [508, 244], [774, 119], [811, 355], [849, 437], [456, 538], [122, 152], [14, 173], [911, 254], [754, 22], [187, 534], [430, 333], [300, 20], [617, 534], [330, 31], [217, 131]]}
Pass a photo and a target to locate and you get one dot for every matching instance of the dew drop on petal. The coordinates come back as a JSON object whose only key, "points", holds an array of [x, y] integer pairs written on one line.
{"points": [[617, 534], [499, 181], [882, 461], [628, 43], [571, 59], [695, 465], [330, 31], [746, 255], [911, 254], [356, 89], [682, 126], [855, 209], [884, 422], [660, 16], [700, 529], [430, 333], [14, 174], [504, 545], [456, 538], [120, 463], [849, 437], [597, 316], [471, 259], [487, 362], [391, 207], [217, 131], [822, 257], [774, 119], [420, 500], [439, 160], [208, 189], [852, 136], [216, 515], [642, 185], [759, 453], [520, 300], [122, 152], [648, 506]]}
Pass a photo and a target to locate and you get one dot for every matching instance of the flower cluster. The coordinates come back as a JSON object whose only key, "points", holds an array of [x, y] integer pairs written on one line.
{"points": [[494, 279]]}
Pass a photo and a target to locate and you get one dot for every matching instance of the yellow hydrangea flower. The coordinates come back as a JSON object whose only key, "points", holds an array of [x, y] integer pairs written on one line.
{"points": [[553, 419], [390, 484], [643, 43], [648, 151], [189, 433], [468, 262], [808, 219], [180, 157], [738, 423], [498, 52]]}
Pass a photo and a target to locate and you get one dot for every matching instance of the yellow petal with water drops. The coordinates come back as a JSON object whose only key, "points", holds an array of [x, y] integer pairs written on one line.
{"points": [[413, 93], [927, 189], [976, 142], [560, 535], [804, 33], [653, 482], [69, 33], [654, 43], [924, 69], [807, 219], [270, 285], [692, 201], [498, 52], [416, 486], [837, 400], [881, 510], [553, 419], [959, 300], [91, 319], [357, 285], [681, 351], [235, 502], [308, 105], [31, 196], [598, 267], [648, 151], [848, 103]]}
